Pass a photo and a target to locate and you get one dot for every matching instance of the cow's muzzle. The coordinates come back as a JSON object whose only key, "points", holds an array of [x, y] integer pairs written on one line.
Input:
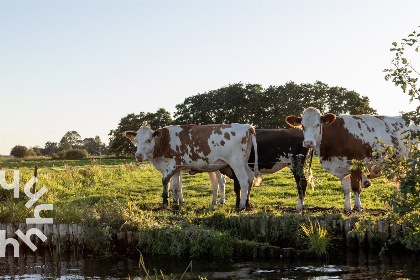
{"points": [[139, 157], [308, 144]]}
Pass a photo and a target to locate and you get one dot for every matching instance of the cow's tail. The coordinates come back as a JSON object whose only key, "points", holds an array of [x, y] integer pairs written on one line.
{"points": [[310, 177], [257, 174]]}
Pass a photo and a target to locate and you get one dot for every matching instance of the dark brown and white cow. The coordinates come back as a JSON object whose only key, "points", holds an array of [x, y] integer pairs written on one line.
{"points": [[277, 149], [339, 140], [204, 148]]}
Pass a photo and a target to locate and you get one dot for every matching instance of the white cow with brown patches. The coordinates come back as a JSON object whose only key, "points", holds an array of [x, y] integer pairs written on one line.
{"points": [[339, 140], [203, 148]]}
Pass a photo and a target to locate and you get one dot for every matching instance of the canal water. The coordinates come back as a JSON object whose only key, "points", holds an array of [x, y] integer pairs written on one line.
{"points": [[357, 264]]}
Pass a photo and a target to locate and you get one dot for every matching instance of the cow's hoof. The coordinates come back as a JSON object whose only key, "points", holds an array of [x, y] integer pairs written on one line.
{"points": [[357, 209], [347, 211], [249, 206], [165, 205]]}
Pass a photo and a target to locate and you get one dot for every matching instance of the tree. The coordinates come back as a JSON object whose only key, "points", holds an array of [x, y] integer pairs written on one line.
{"points": [[50, 148], [94, 146], [38, 150], [120, 145], [70, 140], [267, 108], [19, 151]]}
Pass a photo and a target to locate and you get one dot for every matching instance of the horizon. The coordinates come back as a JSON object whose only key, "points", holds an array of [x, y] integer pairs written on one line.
{"points": [[83, 65]]}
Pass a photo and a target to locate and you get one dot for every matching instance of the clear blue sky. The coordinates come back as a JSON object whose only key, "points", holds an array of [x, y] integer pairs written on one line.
{"points": [[82, 65]]}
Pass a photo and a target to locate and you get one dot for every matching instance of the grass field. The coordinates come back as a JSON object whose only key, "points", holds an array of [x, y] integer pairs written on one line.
{"points": [[121, 192], [105, 194]]}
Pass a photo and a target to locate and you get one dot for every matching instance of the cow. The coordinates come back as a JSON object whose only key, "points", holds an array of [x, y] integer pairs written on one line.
{"points": [[340, 139], [204, 148], [277, 149]]}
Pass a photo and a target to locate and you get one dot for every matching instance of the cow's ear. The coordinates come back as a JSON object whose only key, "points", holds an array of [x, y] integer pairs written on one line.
{"points": [[156, 134], [131, 135], [328, 119], [294, 121]]}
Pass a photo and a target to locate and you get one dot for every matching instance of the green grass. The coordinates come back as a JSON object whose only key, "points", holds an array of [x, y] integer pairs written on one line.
{"points": [[117, 191]]}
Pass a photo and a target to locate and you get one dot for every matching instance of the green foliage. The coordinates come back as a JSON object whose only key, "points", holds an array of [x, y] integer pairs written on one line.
{"points": [[317, 237], [411, 233], [190, 241], [97, 239], [76, 154], [30, 153], [71, 139], [120, 145], [267, 108], [19, 151], [403, 170], [50, 149]]}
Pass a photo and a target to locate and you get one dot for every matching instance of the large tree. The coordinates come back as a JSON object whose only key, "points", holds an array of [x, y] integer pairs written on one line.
{"points": [[71, 139], [120, 145], [268, 108], [94, 146]]}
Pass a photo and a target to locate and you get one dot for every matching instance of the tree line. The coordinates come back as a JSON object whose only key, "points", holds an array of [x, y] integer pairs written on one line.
{"points": [[235, 103], [71, 146], [244, 103]]}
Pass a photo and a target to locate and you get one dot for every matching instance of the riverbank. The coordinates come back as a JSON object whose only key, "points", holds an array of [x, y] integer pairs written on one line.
{"points": [[115, 208]]}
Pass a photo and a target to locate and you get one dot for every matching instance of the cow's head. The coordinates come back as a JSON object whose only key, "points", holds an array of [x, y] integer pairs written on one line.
{"points": [[144, 139], [311, 123]]}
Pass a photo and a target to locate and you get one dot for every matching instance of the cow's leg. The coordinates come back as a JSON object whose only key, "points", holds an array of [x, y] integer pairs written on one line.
{"points": [[345, 186], [356, 180], [237, 189], [176, 180], [222, 183], [214, 185], [165, 182], [242, 174], [248, 203], [301, 183]]}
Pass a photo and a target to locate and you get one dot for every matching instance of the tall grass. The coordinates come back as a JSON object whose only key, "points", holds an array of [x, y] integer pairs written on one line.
{"points": [[317, 237]]}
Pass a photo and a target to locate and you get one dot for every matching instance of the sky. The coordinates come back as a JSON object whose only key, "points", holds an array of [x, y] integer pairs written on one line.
{"points": [[84, 64]]}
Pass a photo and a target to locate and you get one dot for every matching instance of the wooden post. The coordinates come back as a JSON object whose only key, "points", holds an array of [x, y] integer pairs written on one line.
{"points": [[35, 175]]}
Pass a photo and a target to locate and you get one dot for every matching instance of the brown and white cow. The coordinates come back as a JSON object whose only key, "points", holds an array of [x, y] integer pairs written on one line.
{"points": [[204, 148], [339, 140]]}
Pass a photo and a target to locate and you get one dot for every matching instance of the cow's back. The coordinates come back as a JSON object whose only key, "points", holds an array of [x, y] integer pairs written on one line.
{"points": [[190, 143], [355, 136]]}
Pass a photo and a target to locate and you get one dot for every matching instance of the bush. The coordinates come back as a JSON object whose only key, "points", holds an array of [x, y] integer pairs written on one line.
{"points": [[76, 154], [30, 153], [19, 151]]}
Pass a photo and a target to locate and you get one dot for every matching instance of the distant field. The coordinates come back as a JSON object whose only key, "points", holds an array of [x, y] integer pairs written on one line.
{"points": [[121, 192]]}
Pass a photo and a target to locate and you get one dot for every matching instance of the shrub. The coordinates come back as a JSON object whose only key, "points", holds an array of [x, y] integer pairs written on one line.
{"points": [[76, 154], [19, 151], [30, 153]]}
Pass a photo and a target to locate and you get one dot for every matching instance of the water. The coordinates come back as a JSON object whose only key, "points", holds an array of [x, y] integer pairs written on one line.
{"points": [[351, 265]]}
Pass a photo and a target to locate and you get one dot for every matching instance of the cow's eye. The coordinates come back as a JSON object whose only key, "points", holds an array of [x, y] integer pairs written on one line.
{"points": [[148, 141]]}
